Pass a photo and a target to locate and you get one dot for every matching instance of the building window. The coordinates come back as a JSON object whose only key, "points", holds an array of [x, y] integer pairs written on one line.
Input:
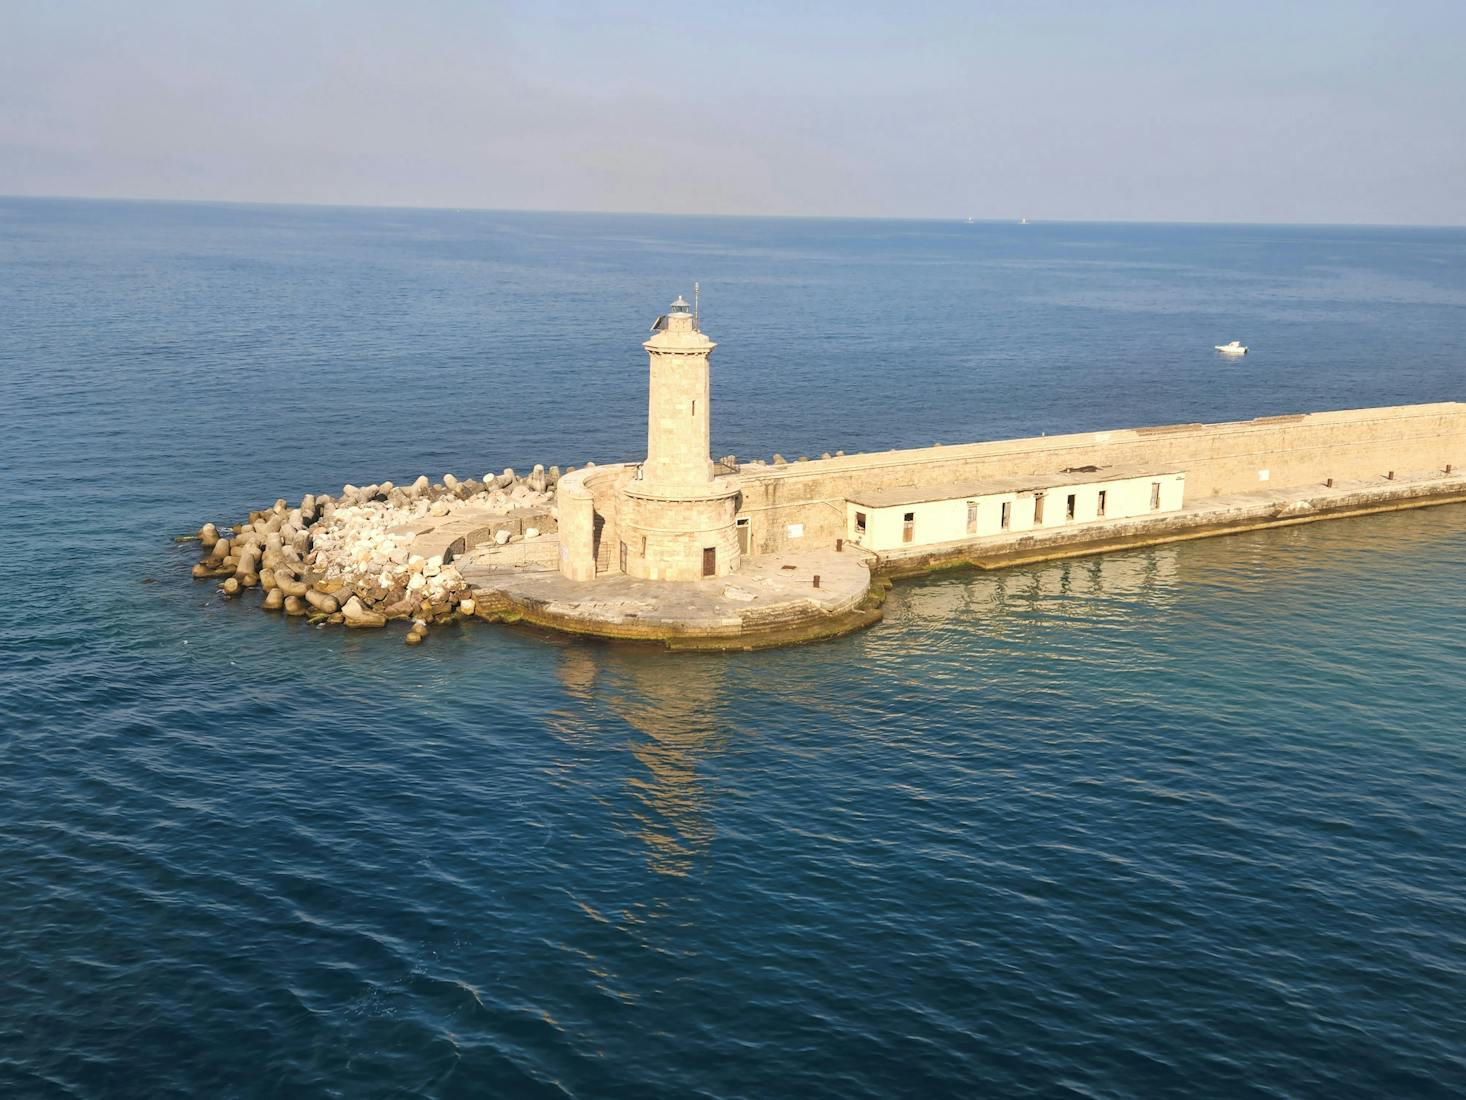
{"points": [[1069, 507], [1007, 514], [623, 557], [1102, 496], [972, 517], [1155, 496], [908, 527], [860, 523], [643, 546], [1038, 508], [694, 406]]}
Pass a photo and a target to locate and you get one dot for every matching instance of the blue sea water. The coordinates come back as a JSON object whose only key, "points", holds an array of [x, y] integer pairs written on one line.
{"points": [[1179, 821]]}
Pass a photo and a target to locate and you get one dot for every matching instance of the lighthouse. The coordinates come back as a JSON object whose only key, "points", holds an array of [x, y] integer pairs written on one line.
{"points": [[678, 391], [677, 514]]}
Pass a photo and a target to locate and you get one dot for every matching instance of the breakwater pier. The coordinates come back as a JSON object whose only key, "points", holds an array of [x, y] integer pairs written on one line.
{"points": [[691, 552]]}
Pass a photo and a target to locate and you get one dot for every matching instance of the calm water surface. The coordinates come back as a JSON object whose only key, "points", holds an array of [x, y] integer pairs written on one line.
{"points": [[1181, 821]]}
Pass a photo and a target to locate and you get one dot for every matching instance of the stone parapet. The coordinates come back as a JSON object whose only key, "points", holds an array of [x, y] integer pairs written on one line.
{"points": [[589, 517]]}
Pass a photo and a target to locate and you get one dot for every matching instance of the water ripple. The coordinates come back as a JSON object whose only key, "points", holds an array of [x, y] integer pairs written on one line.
{"points": [[1181, 821]]}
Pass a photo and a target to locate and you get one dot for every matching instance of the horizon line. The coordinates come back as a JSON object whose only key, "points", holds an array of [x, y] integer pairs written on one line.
{"points": [[1012, 220]]}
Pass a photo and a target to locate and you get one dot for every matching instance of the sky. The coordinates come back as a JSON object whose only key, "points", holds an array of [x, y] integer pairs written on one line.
{"points": [[1187, 110]]}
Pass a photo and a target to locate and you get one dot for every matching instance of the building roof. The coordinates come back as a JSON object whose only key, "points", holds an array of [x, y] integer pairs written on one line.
{"points": [[967, 490]]}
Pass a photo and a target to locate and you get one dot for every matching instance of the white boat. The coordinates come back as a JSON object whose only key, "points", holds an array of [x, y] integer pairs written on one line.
{"points": [[1236, 347]]}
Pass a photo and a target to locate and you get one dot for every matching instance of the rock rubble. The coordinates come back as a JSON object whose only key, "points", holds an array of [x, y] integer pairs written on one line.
{"points": [[348, 558]]}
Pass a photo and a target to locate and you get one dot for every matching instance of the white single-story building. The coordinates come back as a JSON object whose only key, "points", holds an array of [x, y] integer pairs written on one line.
{"points": [[901, 519]]}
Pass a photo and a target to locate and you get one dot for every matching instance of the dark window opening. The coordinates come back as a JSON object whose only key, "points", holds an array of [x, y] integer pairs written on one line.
{"points": [[1007, 514], [1102, 497], [908, 527], [1069, 507], [860, 523], [1155, 496], [1038, 508]]}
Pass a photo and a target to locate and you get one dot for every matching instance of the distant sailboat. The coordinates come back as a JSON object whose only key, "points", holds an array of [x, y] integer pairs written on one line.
{"points": [[1022, 221]]}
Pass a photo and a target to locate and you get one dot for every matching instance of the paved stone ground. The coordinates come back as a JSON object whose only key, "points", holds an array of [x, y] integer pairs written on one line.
{"points": [[435, 535], [538, 553], [1366, 494], [1312, 497], [768, 585]]}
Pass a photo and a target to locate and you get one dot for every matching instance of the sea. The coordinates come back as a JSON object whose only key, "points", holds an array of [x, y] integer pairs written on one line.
{"points": [[1180, 821]]}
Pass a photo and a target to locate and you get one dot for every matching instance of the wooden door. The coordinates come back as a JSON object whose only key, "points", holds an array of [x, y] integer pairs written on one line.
{"points": [[709, 561]]}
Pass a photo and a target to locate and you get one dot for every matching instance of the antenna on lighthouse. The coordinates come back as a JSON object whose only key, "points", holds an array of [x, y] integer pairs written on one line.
{"points": [[696, 307]]}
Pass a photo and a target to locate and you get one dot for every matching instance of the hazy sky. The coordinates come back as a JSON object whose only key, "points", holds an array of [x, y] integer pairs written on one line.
{"points": [[1333, 111]]}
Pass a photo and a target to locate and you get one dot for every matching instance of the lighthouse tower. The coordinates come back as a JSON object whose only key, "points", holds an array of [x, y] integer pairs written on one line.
{"points": [[677, 514], [677, 423]]}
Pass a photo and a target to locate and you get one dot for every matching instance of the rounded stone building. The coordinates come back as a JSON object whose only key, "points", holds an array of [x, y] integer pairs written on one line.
{"points": [[676, 513]]}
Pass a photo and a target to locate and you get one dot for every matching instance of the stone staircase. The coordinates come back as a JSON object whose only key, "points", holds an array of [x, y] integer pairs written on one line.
{"points": [[603, 556]]}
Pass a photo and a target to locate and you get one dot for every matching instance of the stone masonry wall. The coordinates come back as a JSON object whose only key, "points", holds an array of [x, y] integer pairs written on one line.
{"points": [[1218, 459], [589, 518], [676, 533]]}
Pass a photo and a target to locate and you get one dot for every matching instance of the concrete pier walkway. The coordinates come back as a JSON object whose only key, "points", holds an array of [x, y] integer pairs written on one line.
{"points": [[773, 597]]}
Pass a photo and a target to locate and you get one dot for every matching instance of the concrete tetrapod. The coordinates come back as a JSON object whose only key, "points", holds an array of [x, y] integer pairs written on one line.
{"points": [[322, 602], [356, 615], [309, 560]]}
